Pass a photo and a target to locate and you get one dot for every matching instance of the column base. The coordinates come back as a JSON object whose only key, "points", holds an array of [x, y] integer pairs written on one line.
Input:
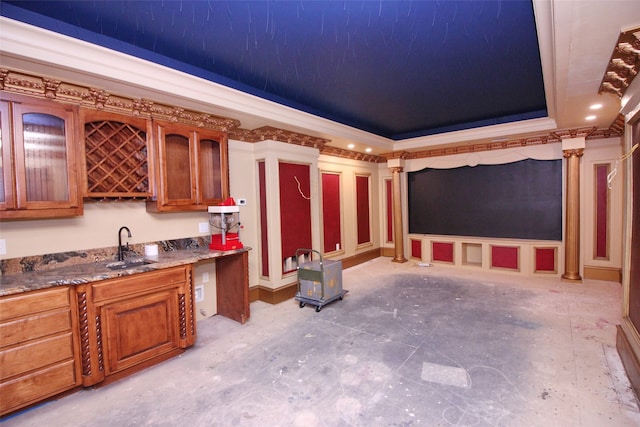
{"points": [[401, 259], [571, 277]]}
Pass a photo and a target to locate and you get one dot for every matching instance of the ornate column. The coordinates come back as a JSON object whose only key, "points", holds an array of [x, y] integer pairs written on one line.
{"points": [[572, 150], [398, 237]]}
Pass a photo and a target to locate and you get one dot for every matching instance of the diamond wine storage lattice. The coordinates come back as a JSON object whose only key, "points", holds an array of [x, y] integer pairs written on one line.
{"points": [[116, 160]]}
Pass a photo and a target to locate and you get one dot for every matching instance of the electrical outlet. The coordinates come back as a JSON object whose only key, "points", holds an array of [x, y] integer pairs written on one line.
{"points": [[3, 247], [199, 293], [203, 227]]}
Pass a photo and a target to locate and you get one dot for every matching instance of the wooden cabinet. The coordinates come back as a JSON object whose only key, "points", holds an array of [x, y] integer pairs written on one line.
{"points": [[38, 347], [191, 168], [135, 321], [116, 155], [39, 167], [232, 286]]}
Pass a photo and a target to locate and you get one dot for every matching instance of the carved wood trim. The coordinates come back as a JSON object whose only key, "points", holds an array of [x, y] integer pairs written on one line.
{"points": [[101, 99], [192, 302], [99, 343], [83, 320], [183, 316], [623, 65]]}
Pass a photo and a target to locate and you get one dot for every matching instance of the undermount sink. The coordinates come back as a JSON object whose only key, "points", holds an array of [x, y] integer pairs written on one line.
{"points": [[128, 263]]}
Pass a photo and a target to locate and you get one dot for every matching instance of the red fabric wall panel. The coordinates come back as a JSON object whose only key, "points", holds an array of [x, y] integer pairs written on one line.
{"points": [[416, 248], [504, 257], [442, 251], [389, 194], [362, 209], [545, 259], [331, 211], [263, 219], [295, 208], [602, 209]]}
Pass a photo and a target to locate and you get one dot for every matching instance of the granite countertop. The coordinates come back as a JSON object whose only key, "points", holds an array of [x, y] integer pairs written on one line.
{"points": [[96, 271]]}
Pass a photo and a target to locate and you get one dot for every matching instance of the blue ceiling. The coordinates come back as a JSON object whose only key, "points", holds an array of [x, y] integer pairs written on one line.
{"points": [[398, 69]]}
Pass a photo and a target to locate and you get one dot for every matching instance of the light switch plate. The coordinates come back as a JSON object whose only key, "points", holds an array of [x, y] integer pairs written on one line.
{"points": [[205, 277], [203, 227], [242, 202], [3, 246]]}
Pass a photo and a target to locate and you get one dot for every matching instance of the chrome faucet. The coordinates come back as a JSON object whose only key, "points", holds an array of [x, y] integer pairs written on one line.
{"points": [[121, 249]]}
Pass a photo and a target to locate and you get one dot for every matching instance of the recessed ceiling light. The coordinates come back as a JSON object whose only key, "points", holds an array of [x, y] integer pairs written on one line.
{"points": [[590, 118], [350, 146], [596, 106], [368, 150]]}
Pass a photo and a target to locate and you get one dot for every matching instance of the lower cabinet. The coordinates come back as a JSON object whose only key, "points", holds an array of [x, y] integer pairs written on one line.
{"points": [[129, 323], [57, 339], [38, 347]]}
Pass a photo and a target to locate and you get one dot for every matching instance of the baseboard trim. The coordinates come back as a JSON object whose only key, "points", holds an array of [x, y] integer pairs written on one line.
{"points": [[387, 252], [609, 274], [361, 258], [276, 296], [629, 359]]}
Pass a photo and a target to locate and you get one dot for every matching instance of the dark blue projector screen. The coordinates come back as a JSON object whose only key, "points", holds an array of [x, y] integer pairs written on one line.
{"points": [[520, 200]]}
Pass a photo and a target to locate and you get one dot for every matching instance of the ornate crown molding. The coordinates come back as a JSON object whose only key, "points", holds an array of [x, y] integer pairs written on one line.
{"points": [[615, 130], [100, 99], [353, 155], [624, 64], [268, 132]]}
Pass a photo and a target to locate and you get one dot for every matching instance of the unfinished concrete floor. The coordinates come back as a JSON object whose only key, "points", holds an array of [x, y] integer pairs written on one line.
{"points": [[408, 345]]}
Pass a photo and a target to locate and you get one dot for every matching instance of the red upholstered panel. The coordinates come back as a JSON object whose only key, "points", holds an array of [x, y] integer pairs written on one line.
{"points": [[362, 209], [442, 251], [331, 211], [602, 209], [263, 219], [389, 191], [545, 259], [416, 248], [504, 257], [295, 208]]}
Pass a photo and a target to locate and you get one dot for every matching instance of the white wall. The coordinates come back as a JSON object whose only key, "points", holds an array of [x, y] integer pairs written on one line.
{"points": [[97, 228]]}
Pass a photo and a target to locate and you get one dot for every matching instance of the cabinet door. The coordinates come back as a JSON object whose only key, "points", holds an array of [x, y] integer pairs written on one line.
{"points": [[6, 166], [45, 162], [177, 186], [139, 329], [212, 168]]}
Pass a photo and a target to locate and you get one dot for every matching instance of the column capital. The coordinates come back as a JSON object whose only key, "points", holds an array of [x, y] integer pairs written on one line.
{"points": [[396, 169], [395, 163], [574, 152]]}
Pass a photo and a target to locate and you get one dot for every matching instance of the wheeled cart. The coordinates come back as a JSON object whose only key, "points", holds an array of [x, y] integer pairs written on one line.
{"points": [[319, 282]]}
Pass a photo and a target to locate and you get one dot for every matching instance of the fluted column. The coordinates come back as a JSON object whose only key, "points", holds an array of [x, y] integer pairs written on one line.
{"points": [[572, 216], [398, 238]]}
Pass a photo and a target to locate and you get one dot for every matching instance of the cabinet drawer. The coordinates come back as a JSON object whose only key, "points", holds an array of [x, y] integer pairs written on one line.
{"points": [[34, 327], [36, 386], [33, 302], [35, 354], [139, 283]]}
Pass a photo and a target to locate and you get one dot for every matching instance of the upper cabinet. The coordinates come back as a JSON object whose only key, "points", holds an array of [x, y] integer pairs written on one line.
{"points": [[191, 168], [39, 165], [115, 151]]}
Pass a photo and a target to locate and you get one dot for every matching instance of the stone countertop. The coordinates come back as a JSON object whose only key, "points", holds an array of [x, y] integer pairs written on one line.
{"points": [[96, 271]]}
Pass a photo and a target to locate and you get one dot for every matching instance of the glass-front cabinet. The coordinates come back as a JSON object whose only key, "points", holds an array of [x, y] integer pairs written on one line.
{"points": [[191, 168], [39, 159]]}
